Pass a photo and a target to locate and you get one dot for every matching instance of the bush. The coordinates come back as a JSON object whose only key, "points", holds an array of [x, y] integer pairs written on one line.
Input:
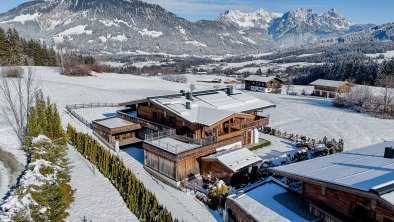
{"points": [[12, 72]]}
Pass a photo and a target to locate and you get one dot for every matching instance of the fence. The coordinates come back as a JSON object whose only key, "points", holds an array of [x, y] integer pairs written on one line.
{"points": [[71, 108]]}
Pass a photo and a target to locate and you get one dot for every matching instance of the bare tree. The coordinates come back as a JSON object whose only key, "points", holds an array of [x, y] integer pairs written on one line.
{"points": [[18, 94]]}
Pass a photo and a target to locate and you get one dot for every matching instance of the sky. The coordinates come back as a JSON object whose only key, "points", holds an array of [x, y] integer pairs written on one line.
{"points": [[357, 11]]}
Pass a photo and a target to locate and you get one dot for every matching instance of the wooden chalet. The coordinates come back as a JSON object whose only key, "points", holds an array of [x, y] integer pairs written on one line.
{"points": [[263, 83], [352, 186], [197, 124], [117, 129], [231, 165], [330, 88]]}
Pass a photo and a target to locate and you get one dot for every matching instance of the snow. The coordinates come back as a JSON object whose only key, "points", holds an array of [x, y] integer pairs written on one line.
{"points": [[271, 202], [77, 30], [363, 169], [24, 18], [312, 117], [316, 118], [279, 66], [115, 88], [153, 34], [195, 43], [96, 199], [236, 159], [387, 55], [114, 64], [329, 83], [299, 89], [261, 18], [103, 39], [181, 30], [120, 38]]}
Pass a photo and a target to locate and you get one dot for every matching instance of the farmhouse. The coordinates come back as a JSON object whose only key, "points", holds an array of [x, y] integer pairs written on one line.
{"points": [[188, 126], [330, 88], [263, 83], [271, 201], [230, 165], [352, 186], [117, 129]]}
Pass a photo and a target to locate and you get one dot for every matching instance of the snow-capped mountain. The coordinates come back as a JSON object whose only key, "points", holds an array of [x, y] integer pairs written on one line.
{"points": [[134, 26], [258, 19], [302, 25]]}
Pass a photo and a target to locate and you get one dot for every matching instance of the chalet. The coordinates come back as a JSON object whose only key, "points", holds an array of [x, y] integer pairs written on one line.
{"points": [[117, 129], [188, 126], [270, 201], [263, 83], [230, 165], [330, 88], [352, 186]]}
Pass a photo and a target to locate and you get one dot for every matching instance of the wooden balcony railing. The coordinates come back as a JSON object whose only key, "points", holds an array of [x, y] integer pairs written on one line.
{"points": [[258, 123]]}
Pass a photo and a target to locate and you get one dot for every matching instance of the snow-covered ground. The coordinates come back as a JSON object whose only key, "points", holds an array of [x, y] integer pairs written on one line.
{"points": [[96, 198], [115, 88], [312, 117], [387, 55], [316, 118]]}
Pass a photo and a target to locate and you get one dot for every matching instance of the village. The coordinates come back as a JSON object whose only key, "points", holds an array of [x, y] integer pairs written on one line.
{"points": [[209, 142]]}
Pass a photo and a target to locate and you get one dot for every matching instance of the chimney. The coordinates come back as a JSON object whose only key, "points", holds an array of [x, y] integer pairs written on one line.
{"points": [[230, 90], [188, 105], [389, 153], [189, 96]]}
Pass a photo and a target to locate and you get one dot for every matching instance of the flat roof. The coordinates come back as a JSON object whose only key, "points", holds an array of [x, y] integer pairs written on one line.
{"points": [[236, 159], [361, 169], [172, 145], [329, 83], [272, 202], [114, 122]]}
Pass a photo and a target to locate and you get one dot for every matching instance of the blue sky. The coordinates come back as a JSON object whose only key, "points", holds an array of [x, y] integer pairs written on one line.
{"points": [[358, 11]]}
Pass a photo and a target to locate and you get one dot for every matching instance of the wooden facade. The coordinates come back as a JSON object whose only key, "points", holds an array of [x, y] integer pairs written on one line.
{"points": [[124, 134], [335, 203], [330, 91], [232, 126], [273, 85], [182, 165]]}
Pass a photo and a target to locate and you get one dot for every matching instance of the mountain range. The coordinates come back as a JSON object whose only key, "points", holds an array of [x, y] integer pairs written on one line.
{"points": [[136, 27]]}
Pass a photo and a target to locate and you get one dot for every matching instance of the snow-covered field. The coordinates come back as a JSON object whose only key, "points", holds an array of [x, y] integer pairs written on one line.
{"points": [[316, 118], [97, 200]]}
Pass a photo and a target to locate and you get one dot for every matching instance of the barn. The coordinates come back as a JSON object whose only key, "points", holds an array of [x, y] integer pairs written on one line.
{"points": [[357, 185]]}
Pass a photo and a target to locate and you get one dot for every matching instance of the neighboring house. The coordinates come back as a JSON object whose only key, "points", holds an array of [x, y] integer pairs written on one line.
{"points": [[330, 88], [351, 186], [188, 126], [264, 84], [231, 165], [271, 201]]}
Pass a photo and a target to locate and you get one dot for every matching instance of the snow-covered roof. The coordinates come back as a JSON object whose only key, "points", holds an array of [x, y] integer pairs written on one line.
{"points": [[329, 83], [236, 159], [210, 108], [258, 78], [114, 122], [361, 169], [272, 202]]}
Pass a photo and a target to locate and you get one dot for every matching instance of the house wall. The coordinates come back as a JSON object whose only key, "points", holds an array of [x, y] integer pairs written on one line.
{"points": [[347, 204], [270, 86], [233, 213]]}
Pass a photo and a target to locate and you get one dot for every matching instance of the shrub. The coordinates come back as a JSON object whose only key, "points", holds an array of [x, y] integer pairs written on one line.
{"points": [[12, 72]]}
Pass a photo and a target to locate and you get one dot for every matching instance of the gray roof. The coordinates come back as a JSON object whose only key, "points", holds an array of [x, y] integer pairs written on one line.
{"points": [[211, 108], [236, 159], [272, 202], [258, 78], [114, 122], [360, 169], [329, 83]]}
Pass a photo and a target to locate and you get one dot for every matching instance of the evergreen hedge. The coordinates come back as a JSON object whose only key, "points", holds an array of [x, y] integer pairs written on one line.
{"points": [[139, 200]]}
